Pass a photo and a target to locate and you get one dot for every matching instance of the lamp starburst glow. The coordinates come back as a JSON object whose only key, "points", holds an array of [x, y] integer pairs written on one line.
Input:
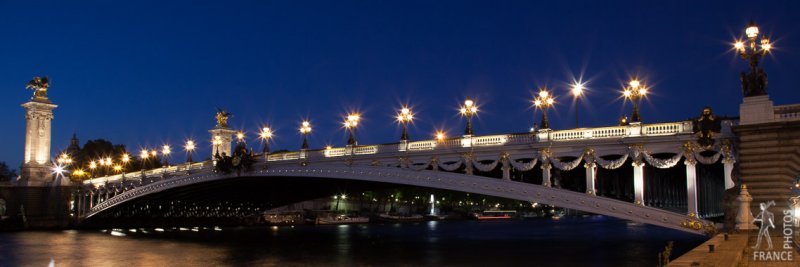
{"points": [[635, 92], [468, 110], [350, 123], [543, 101], [440, 136], [404, 117], [266, 134], [752, 49], [190, 146], [305, 129], [240, 136]]}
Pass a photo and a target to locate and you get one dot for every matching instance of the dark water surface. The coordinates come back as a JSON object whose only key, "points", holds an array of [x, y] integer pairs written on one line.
{"points": [[571, 241]]}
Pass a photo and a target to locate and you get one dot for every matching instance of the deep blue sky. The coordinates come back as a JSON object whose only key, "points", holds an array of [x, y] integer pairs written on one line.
{"points": [[144, 73]]}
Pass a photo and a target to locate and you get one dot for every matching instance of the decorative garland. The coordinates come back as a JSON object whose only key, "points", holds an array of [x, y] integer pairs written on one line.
{"points": [[485, 167], [416, 166], [662, 163], [707, 160], [523, 166], [451, 166], [566, 166], [611, 164]]}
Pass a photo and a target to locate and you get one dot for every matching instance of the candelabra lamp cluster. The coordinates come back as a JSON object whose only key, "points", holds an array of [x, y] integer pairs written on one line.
{"points": [[544, 101], [752, 49]]}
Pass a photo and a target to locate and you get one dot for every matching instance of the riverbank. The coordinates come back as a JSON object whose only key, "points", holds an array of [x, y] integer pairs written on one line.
{"points": [[737, 250]]}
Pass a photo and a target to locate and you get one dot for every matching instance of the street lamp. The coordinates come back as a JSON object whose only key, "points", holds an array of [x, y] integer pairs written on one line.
{"points": [[468, 110], [752, 50], [351, 122], [266, 134], [189, 148], [305, 129], [440, 136], [92, 166], [635, 92], [240, 136], [405, 117], [125, 159], [544, 101], [143, 156], [165, 150], [577, 93]]}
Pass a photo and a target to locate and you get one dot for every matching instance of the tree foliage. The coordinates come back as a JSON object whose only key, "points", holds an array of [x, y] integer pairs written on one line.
{"points": [[7, 174]]}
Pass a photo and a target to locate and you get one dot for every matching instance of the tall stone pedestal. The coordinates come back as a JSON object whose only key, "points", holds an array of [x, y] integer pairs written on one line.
{"points": [[36, 163], [756, 109], [225, 137]]}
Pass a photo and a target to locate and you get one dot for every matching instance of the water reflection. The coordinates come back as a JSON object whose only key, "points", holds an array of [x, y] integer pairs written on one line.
{"points": [[461, 243]]}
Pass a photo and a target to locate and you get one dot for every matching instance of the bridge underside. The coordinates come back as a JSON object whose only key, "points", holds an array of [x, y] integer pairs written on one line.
{"points": [[283, 185], [231, 201]]}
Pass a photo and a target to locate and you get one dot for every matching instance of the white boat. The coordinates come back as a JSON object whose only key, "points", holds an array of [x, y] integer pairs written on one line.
{"points": [[341, 219]]}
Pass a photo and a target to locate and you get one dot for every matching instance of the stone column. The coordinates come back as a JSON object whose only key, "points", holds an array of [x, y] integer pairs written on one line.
{"points": [[546, 173], [226, 136], [506, 168], [691, 187], [36, 162], [591, 173], [638, 182]]}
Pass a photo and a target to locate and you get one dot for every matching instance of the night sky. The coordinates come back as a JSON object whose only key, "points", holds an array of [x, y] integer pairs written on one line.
{"points": [[146, 73]]}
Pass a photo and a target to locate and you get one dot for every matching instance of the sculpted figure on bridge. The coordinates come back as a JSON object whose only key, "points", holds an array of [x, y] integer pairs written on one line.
{"points": [[706, 127], [39, 86], [222, 118]]}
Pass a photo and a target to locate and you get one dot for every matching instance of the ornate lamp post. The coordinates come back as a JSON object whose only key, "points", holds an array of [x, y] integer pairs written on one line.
{"points": [[92, 167], [189, 149], [143, 155], [350, 123], [165, 150], [544, 101], [266, 134], [577, 93], [305, 129], [755, 82], [405, 117], [635, 92], [125, 159], [240, 136], [468, 110]]}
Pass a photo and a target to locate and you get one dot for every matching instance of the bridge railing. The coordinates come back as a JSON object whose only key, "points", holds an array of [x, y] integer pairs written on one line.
{"points": [[787, 112], [628, 131]]}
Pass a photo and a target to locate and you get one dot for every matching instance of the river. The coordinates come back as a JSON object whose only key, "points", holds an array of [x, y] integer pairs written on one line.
{"points": [[571, 241]]}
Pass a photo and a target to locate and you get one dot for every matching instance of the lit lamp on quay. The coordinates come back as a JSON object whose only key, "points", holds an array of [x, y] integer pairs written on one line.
{"points": [[189, 149], [635, 92], [468, 110], [240, 136], [92, 167], [143, 155], [404, 118], [544, 101], [577, 93], [266, 134], [305, 129], [125, 159], [350, 123]]}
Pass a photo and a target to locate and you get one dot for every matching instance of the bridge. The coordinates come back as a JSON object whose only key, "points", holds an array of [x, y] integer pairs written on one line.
{"points": [[677, 183]]}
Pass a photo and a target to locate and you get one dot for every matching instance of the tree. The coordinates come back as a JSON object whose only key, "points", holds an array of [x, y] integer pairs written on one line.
{"points": [[7, 174]]}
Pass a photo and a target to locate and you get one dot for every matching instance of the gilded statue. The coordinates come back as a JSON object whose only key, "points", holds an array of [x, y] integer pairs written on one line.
{"points": [[39, 86], [222, 118]]}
